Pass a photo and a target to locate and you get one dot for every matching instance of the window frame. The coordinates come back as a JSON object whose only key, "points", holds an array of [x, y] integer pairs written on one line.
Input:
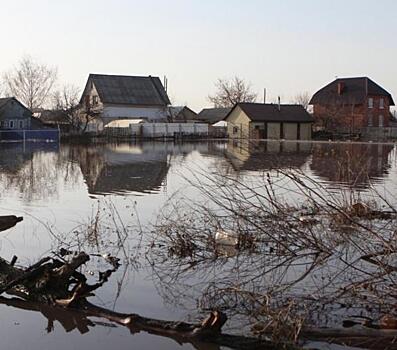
{"points": [[370, 102]]}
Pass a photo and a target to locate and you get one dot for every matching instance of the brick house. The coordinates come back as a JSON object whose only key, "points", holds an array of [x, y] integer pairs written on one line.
{"points": [[351, 104]]}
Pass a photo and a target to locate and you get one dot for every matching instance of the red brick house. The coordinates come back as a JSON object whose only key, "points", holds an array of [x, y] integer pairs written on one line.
{"points": [[352, 103]]}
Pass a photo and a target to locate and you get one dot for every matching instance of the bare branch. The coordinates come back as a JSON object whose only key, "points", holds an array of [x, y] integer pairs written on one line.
{"points": [[31, 82], [230, 92]]}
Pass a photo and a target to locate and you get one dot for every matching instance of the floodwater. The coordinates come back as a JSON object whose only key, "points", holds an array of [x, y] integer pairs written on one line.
{"points": [[63, 190]]}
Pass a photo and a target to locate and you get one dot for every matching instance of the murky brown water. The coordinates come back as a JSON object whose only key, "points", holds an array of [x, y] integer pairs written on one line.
{"points": [[59, 189]]}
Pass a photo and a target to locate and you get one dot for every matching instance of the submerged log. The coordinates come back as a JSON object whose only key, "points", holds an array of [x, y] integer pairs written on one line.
{"points": [[9, 221]]}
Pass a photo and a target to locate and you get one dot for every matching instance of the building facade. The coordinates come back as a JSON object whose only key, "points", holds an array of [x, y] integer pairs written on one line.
{"points": [[269, 121], [352, 104]]}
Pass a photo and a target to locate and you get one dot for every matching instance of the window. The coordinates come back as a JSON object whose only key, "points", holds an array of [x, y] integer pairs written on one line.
{"points": [[381, 121], [381, 103], [94, 100], [11, 124], [21, 124], [235, 129], [5, 124], [370, 102], [370, 120]]}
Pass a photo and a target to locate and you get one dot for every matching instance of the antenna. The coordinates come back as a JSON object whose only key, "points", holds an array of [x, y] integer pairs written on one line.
{"points": [[165, 83]]}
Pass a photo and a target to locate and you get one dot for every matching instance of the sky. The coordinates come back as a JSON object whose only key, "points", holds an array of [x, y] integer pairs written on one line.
{"points": [[285, 46]]}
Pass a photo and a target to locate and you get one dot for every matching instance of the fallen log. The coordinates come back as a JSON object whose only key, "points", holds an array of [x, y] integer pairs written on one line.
{"points": [[9, 221], [59, 292]]}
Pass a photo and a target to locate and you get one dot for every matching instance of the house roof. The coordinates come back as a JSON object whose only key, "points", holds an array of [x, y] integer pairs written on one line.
{"points": [[354, 91], [5, 100], [55, 116], [131, 90], [213, 115], [182, 112], [261, 112]]}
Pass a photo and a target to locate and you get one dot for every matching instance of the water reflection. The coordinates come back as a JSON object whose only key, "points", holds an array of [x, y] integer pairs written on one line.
{"points": [[356, 165], [41, 171], [259, 156], [122, 168]]}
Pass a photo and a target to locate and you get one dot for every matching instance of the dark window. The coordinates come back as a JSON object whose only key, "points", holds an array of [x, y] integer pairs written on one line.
{"points": [[94, 100], [11, 124], [235, 130], [370, 120], [21, 124]]}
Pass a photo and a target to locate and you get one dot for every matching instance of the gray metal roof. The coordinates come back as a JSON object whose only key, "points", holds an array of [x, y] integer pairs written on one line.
{"points": [[131, 90], [270, 112], [213, 115]]}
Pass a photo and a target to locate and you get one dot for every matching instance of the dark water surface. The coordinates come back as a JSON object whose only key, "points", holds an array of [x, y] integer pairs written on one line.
{"points": [[61, 189]]}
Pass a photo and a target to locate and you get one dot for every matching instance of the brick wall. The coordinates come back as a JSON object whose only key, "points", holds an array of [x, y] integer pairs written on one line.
{"points": [[352, 117]]}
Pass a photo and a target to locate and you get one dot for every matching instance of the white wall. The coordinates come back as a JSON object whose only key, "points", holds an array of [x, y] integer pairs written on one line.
{"points": [[169, 129], [150, 113]]}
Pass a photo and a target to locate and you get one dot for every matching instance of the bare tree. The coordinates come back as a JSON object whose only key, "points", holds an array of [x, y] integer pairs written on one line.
{"points": [[31, 82], [67, 100], [230, 92], [303, 99]]}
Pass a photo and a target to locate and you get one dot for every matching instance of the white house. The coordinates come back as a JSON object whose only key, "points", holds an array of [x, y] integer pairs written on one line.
{"points": [[110, 97]]}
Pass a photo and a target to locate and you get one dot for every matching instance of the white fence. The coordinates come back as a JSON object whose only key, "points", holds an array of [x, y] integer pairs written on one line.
{"points": [[154, 130], [174, 129]]}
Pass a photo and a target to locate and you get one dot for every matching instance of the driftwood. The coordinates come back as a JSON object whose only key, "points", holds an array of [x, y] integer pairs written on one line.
{"points": [[53, 287], [9, 221]]}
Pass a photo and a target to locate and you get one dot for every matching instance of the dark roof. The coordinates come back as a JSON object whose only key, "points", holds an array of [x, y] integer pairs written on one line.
{"points": [[55, 116], [213, 115], [354, 91], [131, 90], [182, 113], [5, 100], [261, 112]]}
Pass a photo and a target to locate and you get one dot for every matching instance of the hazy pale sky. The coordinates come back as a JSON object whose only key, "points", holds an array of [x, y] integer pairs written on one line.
{"points": [[287, 46]]}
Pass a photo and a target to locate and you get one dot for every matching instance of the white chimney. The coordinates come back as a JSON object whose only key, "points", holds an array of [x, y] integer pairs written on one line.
{"points": [[279, 103]]}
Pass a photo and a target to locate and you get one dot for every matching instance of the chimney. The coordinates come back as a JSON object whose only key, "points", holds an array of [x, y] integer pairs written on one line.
{"points": [[264, 95], [341, 86], [279, 103]]}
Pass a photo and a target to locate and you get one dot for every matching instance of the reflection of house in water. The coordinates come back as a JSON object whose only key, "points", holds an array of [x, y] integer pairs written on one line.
{"points": [[123, 168], [15, 155], [268, 155], [143, 168], [354, 164]]}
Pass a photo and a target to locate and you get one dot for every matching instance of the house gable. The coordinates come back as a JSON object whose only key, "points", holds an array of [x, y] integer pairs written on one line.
{"points": [[350, 91], [13, 114], [126, 90]]}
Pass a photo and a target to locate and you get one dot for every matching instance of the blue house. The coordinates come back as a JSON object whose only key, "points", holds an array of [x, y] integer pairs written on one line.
{"points": [[14, 115]]}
